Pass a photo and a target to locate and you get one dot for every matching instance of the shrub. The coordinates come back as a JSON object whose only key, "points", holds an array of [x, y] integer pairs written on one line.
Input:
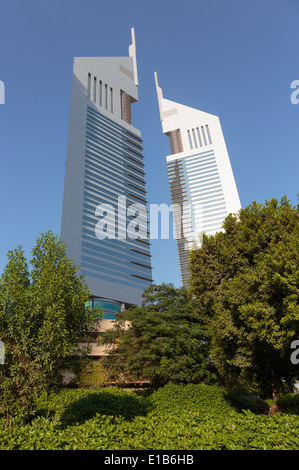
{"points": [[176, 417], [243, 400], [196, 398], [92, 375], [289, 403]]}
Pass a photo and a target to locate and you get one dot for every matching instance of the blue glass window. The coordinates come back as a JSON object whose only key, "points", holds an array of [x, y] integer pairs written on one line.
{"points": [[108, 308]]}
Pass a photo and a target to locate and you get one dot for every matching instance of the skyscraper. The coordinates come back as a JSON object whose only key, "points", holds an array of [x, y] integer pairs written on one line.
{"points": [[105, 169], [202, 184]]}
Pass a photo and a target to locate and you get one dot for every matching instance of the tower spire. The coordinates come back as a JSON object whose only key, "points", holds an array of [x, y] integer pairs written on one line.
{"points": [[132, 53], [160, 96]]}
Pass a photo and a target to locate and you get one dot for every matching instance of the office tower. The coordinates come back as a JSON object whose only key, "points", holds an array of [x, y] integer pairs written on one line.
{"points": [[202, 185], [105, 169]]}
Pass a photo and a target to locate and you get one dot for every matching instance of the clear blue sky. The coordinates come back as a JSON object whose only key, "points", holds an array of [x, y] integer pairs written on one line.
{"points": [[232, 58]]}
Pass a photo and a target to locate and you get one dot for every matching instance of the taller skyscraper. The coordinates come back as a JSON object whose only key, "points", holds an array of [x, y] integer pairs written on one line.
{"points": [[105, 169], [202, 185]]}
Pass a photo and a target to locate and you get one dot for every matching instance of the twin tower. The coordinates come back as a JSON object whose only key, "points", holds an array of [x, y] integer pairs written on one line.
{"points": [[105, 170]]}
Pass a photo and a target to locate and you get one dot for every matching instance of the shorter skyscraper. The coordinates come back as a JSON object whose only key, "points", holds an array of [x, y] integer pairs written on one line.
{"points": [[202, 185]]}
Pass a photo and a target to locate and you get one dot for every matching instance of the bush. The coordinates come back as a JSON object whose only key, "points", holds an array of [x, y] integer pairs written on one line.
{"points": [[196, 398], [176, 417], [243, 400], [289, 403], [92, 375]]}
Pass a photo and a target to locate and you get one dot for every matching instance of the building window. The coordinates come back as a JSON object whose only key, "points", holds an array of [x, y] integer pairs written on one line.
{"points": [[208, 133], [88, 85], [111, 100], [126, 114], [190, 141], [204, 135], [108, 308], [106, 96], [101, 93], [194, 138], [95, 89], [199, 138], [175, 139]]}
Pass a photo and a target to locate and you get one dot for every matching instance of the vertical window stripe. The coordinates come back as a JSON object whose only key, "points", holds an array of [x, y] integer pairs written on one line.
{"points": [[111, 100], [194, 138], [190, 142], [209, 135], [199, 138], [101, 93], [95, 89], [203, 135], [88, 85]]}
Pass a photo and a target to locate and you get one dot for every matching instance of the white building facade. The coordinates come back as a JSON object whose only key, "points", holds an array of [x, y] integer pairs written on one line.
{"points": [[104, 164], [202, 185]]}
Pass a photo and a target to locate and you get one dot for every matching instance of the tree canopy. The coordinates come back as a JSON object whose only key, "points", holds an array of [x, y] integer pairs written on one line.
{"points": [[164, 340], [247, 277], [43, 314]]}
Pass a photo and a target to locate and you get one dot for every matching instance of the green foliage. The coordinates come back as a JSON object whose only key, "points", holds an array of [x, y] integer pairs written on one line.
{"points": [[201, 399], [92, 375], [42, 316], [164, 340], [289, 403], [176, 417], [247, 277], [243, 400], [108, 402]]}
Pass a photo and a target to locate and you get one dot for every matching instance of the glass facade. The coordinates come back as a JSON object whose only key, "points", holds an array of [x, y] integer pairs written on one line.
{"points": [[105, 168], [200, 175], [113, 168], [195, 179], [108, 307]]}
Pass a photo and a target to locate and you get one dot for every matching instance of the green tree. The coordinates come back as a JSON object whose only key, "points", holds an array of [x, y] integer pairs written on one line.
{"points": [[248, 280], [162, 341], [43, 314]]}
